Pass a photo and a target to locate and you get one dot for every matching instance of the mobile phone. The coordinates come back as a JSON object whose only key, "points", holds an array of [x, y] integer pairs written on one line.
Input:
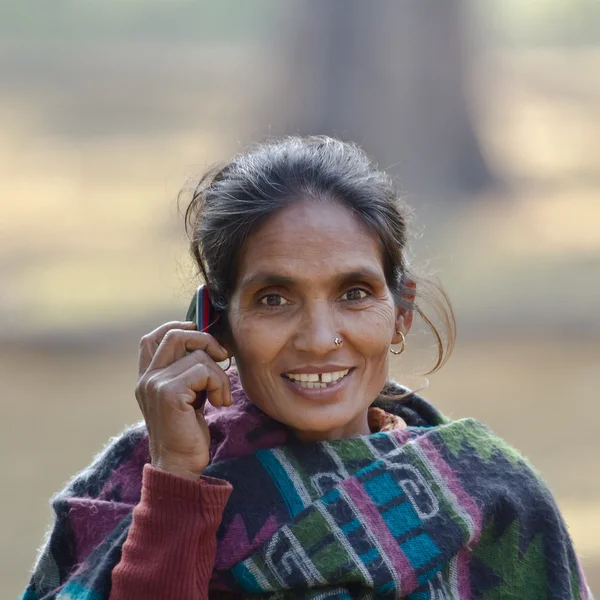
{"points": [[201, 310], [203, 314]]}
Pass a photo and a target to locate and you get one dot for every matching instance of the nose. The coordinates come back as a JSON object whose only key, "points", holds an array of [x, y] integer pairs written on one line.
{"points": [[317, 330]]}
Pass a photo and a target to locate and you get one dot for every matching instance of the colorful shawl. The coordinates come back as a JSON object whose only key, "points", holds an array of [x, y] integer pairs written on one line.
{"points": [[437, 510]]}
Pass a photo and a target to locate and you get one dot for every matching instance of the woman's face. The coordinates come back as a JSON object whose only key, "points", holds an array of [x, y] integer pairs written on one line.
{"points": [[310, 274]]}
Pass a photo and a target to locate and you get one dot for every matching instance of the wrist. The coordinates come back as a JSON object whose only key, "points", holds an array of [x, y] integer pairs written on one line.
{"points": [[177, 469]]}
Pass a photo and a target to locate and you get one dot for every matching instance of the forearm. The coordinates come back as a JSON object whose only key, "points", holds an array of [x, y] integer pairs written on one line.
{"points": [[170, 548]]}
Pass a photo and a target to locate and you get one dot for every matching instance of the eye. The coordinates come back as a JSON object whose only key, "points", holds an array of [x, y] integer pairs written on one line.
{"points": [[354, 294], [273, 300]]}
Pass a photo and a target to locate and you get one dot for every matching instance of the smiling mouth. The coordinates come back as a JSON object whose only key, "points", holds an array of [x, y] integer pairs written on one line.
{"points": [[317, 380]]}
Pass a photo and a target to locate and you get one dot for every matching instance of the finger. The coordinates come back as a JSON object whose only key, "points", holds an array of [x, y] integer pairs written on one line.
{"points": [[177, 342], [150, 342], [198, 357], [202, 377], [225, 389]]}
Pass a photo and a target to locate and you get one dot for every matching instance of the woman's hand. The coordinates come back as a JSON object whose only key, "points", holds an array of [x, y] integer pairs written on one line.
{"points": [[166, 389]]}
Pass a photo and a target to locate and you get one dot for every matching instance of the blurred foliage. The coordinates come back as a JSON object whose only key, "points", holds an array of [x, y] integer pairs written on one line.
{"points": [[541, 22], [173, 20]]}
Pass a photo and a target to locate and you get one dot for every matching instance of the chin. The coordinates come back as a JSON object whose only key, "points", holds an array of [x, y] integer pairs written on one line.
{"points": [[315, 427]]}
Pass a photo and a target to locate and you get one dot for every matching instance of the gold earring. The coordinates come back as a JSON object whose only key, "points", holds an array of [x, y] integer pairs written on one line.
{"points": [[229, 365], [403, 344], [338, 341]]}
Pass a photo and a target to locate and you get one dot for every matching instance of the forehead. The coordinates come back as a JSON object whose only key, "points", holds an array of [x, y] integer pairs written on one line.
{"points": [[309, 234]]}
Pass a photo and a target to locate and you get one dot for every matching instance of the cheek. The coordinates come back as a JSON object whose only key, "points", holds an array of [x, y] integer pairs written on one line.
{"points": [[255, 342], [373, 327]]}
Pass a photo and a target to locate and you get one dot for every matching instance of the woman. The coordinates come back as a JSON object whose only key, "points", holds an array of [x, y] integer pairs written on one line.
{"points": [[308, 474]]}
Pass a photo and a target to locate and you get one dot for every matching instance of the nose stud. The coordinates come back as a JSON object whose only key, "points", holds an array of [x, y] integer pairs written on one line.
{"points": [[338, 341]]}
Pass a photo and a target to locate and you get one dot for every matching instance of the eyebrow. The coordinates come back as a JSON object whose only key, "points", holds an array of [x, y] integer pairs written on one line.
{"points": [[267, 279]]}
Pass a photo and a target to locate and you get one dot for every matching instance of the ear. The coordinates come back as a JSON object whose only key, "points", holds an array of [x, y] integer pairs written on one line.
{"points": [[223, 335], [404, 316]]}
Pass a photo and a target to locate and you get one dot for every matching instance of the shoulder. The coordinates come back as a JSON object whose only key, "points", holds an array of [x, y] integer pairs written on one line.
{"points": [[463, 434], [491, 470], [469, 441], [115, 472], [462, 441]]}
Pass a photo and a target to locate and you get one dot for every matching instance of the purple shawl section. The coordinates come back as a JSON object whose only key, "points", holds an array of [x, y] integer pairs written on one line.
{"points": [[242, 428]]}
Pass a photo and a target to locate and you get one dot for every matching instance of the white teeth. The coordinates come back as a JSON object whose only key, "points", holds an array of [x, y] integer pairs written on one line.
{"points": [[317, 380]]}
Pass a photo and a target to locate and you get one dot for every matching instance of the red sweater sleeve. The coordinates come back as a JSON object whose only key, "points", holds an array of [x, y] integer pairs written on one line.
{"points": [[170, 549]]}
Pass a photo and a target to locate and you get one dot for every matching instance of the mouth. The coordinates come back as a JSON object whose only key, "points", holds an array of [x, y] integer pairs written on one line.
{"points": [[318, 381]]}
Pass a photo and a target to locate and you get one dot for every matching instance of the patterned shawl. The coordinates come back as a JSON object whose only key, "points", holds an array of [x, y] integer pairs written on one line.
{"points": [[437, 510]]}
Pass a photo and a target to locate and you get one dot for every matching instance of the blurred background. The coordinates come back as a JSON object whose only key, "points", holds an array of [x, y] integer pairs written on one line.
{"points": [[487, 112]]}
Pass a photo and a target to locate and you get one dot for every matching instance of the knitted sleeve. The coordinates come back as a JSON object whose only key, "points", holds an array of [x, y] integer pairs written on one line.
{"points": [[171, 546], [93, 516]]}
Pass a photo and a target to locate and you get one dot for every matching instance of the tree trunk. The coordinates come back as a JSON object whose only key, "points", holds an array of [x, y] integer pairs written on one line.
{"points": [[390, 75]]}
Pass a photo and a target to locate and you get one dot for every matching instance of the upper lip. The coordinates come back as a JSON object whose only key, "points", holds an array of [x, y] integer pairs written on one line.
{"points": [[316, 369]]}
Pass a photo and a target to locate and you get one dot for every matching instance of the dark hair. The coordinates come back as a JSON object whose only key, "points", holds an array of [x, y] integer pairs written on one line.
{"points": [[231, 201]]}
